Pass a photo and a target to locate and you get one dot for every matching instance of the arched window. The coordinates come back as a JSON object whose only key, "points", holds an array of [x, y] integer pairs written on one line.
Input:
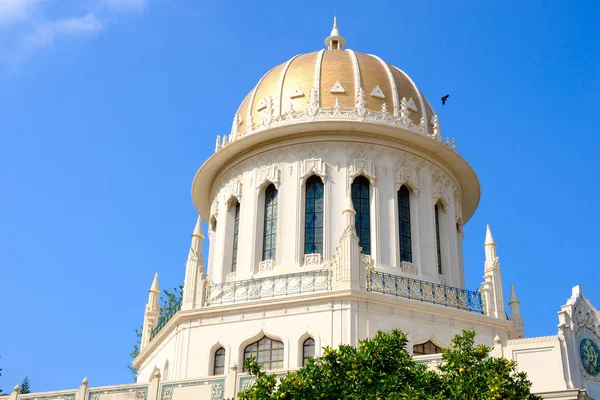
{"points": [[236, 228], [404, 224], [426, 348], [362, 206], [308, 350], [270, 225], [313, 216], [219, 362], [437, 239], [267, 352]]}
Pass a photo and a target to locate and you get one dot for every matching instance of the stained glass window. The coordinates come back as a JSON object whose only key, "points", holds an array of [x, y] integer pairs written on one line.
{"points": [[219, 364], [362, 206], [236, 229], [313, 225], [437, 239], [267, 352], [308, 350], [270, 225], [404, 224], [426, 348]]}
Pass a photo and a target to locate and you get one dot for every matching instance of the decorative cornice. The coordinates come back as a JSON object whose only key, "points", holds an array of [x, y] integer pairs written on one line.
{"points": [[336, 113], [538, 339]]}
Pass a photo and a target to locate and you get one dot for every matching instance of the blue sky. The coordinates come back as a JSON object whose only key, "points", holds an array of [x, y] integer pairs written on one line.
{"points": [[108, 107]]}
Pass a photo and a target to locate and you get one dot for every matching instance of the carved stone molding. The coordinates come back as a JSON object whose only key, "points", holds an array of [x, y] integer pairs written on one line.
{"points": [[362, 166], [265, 266], [233, 190], [406, 174], [313, 166], [267, 175], [312, 260], [358, 113]]}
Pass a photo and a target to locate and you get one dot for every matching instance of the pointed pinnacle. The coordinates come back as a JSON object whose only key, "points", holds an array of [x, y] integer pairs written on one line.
{"points": [[198, 229], [489, 239], [85, 381], [17, 388], [513, 295], [154, 287]]}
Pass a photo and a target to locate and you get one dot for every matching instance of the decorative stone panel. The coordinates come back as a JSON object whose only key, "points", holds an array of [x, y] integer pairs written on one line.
{"points": [[362, 166], [313, 166], [266, 265], [408, 267], [406, 174], [312, 260], [232, 190], [269, 174], [194, 389]]}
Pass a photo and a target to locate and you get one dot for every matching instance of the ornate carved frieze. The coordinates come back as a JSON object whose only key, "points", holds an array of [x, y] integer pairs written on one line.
{"points": [[313, 166], [230, 277], [268, 174], [334, 112], [406, 174], [362, 166]]}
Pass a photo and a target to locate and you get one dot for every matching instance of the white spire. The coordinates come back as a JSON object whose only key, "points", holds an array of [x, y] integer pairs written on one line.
{"points": [[335, 41], [513, 295], [489, 239], [515, 313], [198, 229], [154, 287]]}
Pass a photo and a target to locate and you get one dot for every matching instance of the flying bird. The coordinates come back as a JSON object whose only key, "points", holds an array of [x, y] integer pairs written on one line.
{"points": [[445, 98]]}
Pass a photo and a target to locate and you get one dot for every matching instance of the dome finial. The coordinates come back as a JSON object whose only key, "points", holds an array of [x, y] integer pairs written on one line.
{"points": [[335, 41]]}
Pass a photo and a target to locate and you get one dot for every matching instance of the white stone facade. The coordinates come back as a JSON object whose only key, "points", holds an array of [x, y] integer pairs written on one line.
{"points": [[338, 295]]}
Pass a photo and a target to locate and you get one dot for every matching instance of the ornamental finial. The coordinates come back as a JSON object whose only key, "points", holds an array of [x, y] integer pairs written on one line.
{"points": [[335, 41]]}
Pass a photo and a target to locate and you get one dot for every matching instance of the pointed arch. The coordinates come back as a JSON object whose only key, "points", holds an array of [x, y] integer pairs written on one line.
{"points": [[428, 347], [404, 224], [270, 223], [361, 201], [308, 350], [267, 351], [313, 215], [438, 244], [235, 239]]}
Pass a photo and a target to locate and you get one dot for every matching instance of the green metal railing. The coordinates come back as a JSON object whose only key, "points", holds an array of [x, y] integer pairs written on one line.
{"points": [[429, 292], [163, 318]]}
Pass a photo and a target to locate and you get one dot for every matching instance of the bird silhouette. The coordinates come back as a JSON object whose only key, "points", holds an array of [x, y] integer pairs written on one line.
{"points": [[445, 98]]}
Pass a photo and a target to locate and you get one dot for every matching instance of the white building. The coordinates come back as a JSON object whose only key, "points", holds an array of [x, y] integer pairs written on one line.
{"points": [[335, 209]]}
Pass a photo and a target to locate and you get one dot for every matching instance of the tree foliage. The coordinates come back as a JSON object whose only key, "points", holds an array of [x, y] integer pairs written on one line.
{"points": [[168, 303], [382, 369], [24, 386]]}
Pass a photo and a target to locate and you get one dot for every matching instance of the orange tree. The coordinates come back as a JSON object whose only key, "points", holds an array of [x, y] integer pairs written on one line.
{"points": [[381, 369]]}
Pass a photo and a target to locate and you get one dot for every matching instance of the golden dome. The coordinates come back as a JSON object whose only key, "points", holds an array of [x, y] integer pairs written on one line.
{"points": [[330, 79]]}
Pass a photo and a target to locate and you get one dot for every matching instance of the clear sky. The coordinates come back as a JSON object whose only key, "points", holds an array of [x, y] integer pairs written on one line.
{"points": [[108, 108]]}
